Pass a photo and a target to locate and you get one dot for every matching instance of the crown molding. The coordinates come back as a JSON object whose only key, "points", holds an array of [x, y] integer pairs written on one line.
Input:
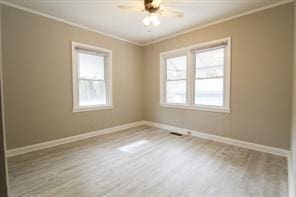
{"points": [[155, 41], [219, 21], [68, 22]]}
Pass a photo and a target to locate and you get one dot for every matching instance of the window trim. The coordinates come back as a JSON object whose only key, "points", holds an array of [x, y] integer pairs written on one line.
{"points": [[75, 79], [191, 77]]}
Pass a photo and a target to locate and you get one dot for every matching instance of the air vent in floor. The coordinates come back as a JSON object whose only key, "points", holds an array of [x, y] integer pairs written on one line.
{"points": [[177, 134], [226, 155]]}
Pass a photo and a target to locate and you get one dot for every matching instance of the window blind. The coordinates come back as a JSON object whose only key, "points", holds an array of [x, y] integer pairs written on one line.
{"points": [[210, 47]]}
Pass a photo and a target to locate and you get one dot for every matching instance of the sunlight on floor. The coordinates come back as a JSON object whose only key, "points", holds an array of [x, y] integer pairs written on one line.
{"points": [[133, 147]]}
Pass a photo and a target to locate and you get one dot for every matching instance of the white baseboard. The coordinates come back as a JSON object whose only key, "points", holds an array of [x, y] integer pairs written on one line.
{"points": [[244, 144], [52, 143], [240, 143], [292, 178], [48, 144]]}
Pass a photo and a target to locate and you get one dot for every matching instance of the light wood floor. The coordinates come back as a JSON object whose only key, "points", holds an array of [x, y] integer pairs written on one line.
{"points": [[147, 161]]}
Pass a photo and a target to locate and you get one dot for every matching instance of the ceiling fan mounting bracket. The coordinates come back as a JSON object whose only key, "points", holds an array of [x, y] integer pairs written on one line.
{"points": [[150, 7]]}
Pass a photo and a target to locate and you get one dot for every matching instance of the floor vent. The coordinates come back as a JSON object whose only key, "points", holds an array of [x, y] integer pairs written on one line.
{"points": [[178, 134], [226, 154]]}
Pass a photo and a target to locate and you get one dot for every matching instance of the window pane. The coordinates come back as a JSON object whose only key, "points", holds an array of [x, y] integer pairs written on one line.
{"points": [[176, 91], [92, 92], [209, 92], [176, 68], [210, 58], [213, 71], [91, 66]]}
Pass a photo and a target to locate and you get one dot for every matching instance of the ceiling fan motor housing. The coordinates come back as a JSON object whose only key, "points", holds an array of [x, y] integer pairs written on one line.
{"points": [[150, 7]]}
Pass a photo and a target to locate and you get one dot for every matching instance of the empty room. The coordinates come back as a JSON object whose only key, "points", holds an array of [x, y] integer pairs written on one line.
{"points": [[147, 98]]}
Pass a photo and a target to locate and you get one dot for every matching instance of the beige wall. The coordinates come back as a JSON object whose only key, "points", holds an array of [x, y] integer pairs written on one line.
{"points": [[37, 80], [38, 89], [293, 127], [3, 172], [261, 79]]}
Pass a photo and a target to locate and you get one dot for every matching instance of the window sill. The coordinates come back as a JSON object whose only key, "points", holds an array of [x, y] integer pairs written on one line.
{"points": [[199, 108], [92, 108]]}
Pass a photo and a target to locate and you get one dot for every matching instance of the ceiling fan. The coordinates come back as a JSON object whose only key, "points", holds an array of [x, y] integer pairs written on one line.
{"points": [[154, 10]]}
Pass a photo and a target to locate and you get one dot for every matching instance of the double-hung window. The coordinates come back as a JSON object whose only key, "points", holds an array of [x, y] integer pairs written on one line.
{"points": [[176, 79], [92, 88], [197, 77]]}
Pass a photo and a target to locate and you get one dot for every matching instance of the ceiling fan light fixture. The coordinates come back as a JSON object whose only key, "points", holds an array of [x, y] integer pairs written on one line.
{"points": [[151, 20], [156, 3]]}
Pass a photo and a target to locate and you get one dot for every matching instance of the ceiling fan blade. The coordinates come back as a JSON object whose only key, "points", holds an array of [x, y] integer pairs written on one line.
{"points": [[131, 8], [168, 12]]}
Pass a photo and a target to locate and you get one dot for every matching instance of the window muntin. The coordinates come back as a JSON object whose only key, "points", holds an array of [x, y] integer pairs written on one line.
{"points": [[207, 84], [91, 77], [176, 77]]}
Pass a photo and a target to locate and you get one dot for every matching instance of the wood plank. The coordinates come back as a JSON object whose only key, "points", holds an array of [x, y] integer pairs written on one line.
{"points": [[146, 161]]}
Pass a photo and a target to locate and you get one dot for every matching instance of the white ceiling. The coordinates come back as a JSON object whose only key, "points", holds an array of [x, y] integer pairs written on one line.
{"points": [[105, 16]]}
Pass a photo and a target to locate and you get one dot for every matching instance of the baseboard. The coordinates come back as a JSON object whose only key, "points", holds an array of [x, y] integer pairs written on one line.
{"points": [[292, 178], [52, 143], [48, 144], [244, 144], [240, 143]]}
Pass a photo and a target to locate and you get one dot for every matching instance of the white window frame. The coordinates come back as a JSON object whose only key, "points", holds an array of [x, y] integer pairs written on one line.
{"points": [[163, 62], [191, 77], [75, 78]]}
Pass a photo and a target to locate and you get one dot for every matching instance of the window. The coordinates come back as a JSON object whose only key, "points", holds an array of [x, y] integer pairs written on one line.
{"points": [[209, 78], [176, 79], [197, 77], [92, 78]]}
